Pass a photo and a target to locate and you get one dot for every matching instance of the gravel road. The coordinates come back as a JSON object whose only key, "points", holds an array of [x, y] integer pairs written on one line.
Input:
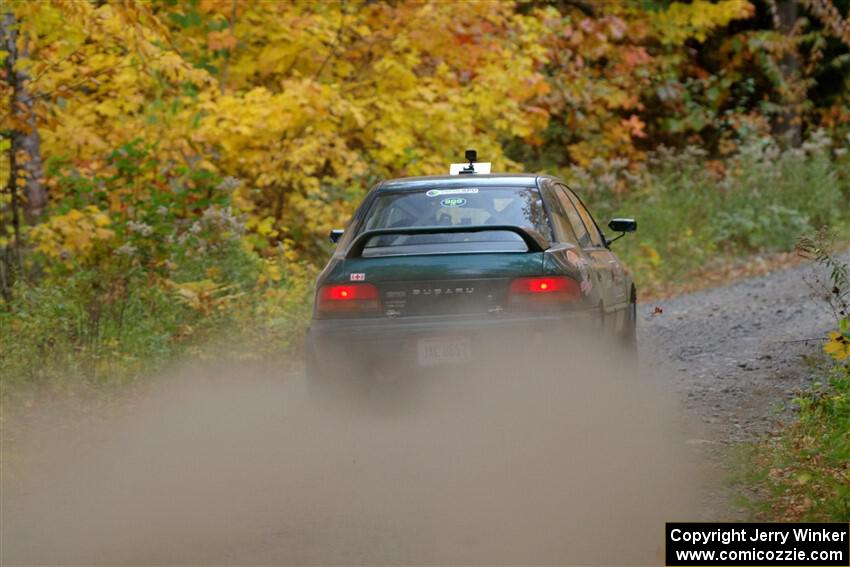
{"points": [[232, 464], [737, 353]]}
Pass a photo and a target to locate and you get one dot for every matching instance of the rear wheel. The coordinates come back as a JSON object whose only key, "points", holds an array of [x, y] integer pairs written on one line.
{"points": [[337, 376], [323, 379], [312, 369], [629, 333]]}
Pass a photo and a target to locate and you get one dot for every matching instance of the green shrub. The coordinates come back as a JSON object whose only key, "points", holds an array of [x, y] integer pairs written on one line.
{"points": [[126, 275], [692, 212]]}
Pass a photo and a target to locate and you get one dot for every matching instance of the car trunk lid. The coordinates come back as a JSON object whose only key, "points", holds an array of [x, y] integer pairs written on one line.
{"points": [[443, 284]]}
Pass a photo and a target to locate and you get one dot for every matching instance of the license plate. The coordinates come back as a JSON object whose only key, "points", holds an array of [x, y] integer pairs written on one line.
{"points": [[449, 350]]}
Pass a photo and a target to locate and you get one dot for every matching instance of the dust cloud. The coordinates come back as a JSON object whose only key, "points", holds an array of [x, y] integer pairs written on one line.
{"points": [[568, 461]]}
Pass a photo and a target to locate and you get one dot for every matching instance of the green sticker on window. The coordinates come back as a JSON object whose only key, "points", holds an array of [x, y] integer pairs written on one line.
{"points": [[453, 202]]}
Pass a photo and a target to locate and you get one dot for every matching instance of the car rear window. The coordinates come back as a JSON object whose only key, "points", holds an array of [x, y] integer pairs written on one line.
{"points": [[522, 207]]}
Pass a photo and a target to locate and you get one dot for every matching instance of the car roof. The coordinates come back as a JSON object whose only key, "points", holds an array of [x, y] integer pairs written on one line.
{"points": [[448, 181]]}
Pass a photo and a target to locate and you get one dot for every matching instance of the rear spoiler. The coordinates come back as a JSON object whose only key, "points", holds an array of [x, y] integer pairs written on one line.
{"points": [[534, 242]]}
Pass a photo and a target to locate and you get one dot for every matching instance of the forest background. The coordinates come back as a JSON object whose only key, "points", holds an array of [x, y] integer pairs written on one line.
{"points": [[171, 169]]}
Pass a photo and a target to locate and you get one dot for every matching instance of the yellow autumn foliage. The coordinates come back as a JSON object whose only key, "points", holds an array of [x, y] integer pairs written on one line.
{"points": [[308, 104], [680, 22], [73, 234]]}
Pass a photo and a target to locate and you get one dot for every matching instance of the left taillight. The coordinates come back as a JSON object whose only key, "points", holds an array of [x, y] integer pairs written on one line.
{"points": [[348, 299]]}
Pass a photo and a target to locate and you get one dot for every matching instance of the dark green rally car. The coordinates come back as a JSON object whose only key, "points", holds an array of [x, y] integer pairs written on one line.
{"points": [[433, 270]]}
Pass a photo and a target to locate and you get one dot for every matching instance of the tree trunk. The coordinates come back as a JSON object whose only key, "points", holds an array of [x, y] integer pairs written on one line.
{"points": [[788, 125], [10, 255], [26, 144]]}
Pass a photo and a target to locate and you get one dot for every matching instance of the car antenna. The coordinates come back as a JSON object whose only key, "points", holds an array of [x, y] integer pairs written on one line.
{"points": [[472, 157]]}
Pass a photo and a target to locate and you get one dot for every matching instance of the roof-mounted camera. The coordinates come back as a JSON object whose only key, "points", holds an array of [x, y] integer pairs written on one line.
{"points": [[471, 156], [470, 168]]}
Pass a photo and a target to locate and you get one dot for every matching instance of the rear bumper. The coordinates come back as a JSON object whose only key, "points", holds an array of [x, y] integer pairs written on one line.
{"points": [[396, 340]]}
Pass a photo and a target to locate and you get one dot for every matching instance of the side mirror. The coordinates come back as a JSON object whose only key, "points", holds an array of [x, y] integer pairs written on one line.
{"points": [[622, 226], [335, 235]]}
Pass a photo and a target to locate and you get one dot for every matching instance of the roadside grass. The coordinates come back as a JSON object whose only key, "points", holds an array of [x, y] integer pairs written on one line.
{"points": [[802, 473], [89, 335], [697, 217]]}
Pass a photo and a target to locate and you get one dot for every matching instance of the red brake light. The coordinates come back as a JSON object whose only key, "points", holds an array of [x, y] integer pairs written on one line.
{"points": [[348, 299], [548, 289]]}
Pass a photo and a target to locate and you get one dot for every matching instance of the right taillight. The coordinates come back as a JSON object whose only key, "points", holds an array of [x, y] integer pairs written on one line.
{"points": [[545, 290], [348, 299]]}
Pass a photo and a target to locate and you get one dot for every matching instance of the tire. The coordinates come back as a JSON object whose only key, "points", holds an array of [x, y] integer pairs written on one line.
{"points": [[629, 333], [335, 378], [312, 369], [320, 382]]}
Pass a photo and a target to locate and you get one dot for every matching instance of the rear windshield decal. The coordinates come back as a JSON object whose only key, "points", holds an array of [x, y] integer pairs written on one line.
{"points": [[453, 202], [438, 192], [358, 277]]}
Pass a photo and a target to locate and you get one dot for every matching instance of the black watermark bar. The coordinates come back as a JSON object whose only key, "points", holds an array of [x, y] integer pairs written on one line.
{"points": [[692, 544]]}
